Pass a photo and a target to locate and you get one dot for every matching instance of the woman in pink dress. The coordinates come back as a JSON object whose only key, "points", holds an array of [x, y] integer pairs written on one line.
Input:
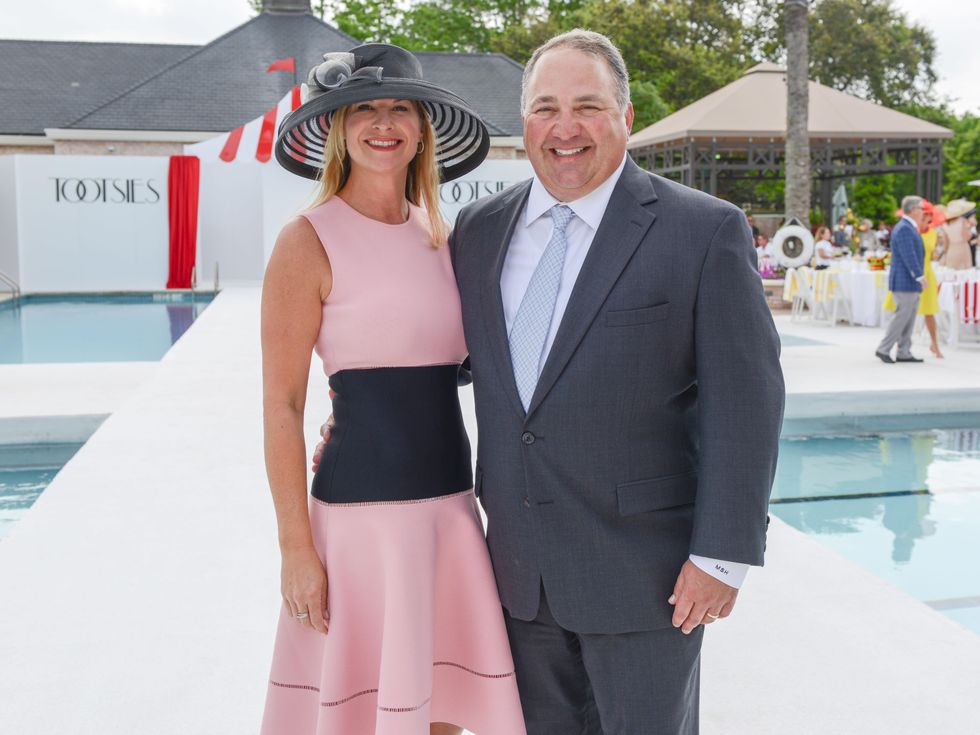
{"points": [[390, 623]]}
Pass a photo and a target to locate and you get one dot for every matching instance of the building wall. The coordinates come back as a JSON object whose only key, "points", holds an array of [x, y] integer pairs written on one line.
{"points": [[9, 256], [10, 150], [117, 147], [506, 153]]}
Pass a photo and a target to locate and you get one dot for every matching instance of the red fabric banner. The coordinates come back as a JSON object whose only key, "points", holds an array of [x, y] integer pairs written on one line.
{"points": [[296, 101], [263, 151], [183, 184], [288, 64], [230, 149]]}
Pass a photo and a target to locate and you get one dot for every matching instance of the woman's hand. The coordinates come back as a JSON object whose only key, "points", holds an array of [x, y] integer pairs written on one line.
{"points": [[304, 587]]}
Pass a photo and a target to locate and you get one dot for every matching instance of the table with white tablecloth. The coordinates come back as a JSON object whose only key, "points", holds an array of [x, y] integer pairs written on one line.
{"points": [[865, 291]]}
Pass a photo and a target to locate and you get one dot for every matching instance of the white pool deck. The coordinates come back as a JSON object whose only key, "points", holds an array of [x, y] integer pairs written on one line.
{"points": [[139, 595]]}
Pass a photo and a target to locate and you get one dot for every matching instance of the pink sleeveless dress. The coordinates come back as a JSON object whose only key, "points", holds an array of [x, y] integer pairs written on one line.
{"points": [[416, 631]]}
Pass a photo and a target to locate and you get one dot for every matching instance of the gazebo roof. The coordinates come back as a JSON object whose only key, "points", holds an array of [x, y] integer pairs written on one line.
{"points": [[754, 106]]}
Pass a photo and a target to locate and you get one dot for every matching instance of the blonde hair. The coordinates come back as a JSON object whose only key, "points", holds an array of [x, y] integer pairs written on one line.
{"points": [[421, 186]]}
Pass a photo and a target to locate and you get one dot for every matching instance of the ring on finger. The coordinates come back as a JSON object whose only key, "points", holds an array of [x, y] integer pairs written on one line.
{"points": [[712, 616], [302, 615]]}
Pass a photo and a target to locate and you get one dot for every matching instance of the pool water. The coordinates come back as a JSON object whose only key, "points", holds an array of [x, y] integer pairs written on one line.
{"points": [[25, 470], [905, 505], [95, 327]]}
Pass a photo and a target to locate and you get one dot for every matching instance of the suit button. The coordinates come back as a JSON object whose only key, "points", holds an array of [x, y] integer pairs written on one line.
{"points": [[528, 438], [527, 502]]}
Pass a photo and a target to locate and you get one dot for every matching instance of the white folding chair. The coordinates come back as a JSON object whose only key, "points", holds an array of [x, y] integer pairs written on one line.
{"points": [[840, 301], [803, 297]]}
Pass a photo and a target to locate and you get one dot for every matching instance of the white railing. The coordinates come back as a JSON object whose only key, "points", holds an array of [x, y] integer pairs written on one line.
{"points": [[10, 283]]}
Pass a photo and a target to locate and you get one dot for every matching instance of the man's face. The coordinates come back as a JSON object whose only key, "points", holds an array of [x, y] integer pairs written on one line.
{"points": [[917, 214], [574, 132]]}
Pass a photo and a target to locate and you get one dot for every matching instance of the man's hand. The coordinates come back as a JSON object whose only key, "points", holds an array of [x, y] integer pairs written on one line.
{"points": [[325, 430], [699, 598]]}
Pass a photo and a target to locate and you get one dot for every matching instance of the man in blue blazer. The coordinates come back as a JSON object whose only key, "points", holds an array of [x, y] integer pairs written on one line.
{"points": [[905, 281], [629, 400]]}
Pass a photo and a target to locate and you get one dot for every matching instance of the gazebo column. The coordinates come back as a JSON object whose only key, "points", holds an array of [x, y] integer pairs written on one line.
{"points": [[919, 169], [826, 197]]}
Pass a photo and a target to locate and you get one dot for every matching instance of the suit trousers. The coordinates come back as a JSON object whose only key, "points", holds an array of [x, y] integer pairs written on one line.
{"points": [[900, 327], [642, 683]]}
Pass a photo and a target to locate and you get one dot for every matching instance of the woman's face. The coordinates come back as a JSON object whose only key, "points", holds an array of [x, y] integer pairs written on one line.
{"points": [[383, 135]]}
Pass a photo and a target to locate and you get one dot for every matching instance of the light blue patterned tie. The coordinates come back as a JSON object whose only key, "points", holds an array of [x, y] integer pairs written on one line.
{"points": [[533, 320]]}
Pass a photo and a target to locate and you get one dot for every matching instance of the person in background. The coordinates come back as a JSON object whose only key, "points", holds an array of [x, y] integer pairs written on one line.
{"points": [[973, 239], [842, 233], [961, 218], [763, 248], [824, 256], [882, 235], [867, 238], [905, 281], [929, 300], [755, 228]]}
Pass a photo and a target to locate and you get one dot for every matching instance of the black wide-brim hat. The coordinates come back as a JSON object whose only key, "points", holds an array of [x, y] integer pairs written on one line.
{"points": [[379, 71]]}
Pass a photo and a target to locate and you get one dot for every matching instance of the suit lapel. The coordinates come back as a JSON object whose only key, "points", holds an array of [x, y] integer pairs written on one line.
{"points": [[501, 224], [623, 226]]}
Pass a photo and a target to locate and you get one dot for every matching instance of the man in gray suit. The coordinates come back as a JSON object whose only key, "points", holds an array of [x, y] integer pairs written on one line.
{"points": [[628, 398]]}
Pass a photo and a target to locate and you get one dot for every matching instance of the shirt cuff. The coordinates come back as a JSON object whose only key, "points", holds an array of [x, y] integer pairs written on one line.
{"points": [[731, 573]]}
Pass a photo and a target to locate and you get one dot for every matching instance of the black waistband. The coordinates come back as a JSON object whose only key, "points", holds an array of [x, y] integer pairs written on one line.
{"points": [[398, 435]]}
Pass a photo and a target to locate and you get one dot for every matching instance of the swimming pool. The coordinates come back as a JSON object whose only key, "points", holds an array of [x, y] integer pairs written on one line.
{"points": [[95, 327], [25, 471], [905, 505]]}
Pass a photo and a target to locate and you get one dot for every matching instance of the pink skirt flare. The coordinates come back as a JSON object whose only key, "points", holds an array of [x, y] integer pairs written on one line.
{"points": [[416, 630]]}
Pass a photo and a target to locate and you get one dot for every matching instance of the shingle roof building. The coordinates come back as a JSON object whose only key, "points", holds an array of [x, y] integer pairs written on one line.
{"points": [[63, 87], [47, 84]]}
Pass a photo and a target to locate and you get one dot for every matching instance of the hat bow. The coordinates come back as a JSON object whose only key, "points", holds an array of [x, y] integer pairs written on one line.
{"points": [[337, 71]]}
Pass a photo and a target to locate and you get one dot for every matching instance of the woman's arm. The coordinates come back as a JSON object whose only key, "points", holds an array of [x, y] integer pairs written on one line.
{"points": [[297, 280]]}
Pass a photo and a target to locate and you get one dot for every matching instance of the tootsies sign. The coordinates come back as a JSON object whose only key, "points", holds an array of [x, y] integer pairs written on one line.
{"points": [[73, 190], [464, 192], [489, 178], [90, 223]]}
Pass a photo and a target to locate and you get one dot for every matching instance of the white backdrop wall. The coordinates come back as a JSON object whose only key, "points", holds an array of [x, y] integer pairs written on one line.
{"points": [[99, 223], [92, 223], [9, 260], [229, 223], [244, 205], [489, 178]]}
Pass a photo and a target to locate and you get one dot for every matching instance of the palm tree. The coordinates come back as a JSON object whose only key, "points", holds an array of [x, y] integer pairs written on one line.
{"points": [[797, 111]]}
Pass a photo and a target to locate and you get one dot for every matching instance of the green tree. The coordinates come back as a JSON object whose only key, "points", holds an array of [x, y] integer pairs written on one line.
{"points": [[867, 48], [367, 20], [873, 198], [962, 159], [648, 106]]}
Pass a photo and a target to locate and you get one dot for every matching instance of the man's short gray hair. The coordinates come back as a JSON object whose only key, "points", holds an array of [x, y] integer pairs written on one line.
{"points": [[588, 42], [911, 202]]}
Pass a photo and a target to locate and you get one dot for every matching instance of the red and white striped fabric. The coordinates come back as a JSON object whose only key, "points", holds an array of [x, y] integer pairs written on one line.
{"points": [[261, 130], [250, 142], [970, 296]]}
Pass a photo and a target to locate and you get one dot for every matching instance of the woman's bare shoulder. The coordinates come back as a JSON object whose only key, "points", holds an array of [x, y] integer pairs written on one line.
{"points": [[299, 255]]}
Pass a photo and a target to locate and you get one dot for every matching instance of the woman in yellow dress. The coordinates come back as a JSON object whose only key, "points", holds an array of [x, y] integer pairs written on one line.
{"points": [[929, 298]]}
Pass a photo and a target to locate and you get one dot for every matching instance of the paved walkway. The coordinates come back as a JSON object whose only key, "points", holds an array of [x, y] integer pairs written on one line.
{"points": [[140, 593]]}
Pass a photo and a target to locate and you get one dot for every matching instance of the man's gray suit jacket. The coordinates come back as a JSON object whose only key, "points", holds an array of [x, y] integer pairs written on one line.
{"points": [[653, 430]]}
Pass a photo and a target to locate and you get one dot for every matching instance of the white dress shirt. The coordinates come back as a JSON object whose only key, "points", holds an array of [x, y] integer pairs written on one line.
{"points": [[528, 243]]}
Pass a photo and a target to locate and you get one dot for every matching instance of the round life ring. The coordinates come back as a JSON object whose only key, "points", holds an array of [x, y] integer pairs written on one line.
{"points": [[793, 246]]}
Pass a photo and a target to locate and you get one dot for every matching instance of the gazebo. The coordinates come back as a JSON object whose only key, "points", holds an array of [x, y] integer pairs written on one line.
{"points": [[739, 132]]}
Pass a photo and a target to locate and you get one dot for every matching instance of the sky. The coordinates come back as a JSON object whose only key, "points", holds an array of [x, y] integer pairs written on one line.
{"points": [[954, 23]]}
